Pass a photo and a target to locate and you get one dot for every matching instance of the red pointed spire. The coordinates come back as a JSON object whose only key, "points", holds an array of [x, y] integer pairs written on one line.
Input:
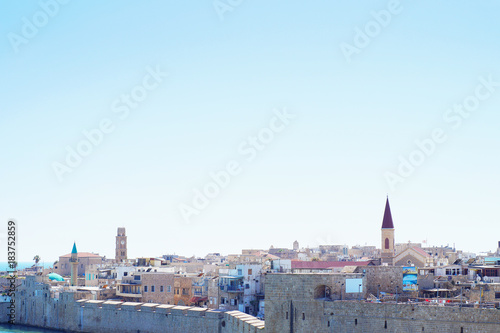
{"points": [[387, 222]]}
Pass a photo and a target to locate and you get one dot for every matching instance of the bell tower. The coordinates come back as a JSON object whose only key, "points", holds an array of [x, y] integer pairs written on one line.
{"points": [[387, 252], [121, 245]]}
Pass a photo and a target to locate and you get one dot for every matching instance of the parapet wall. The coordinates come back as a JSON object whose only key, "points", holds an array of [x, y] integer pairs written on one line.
{"points": [[236, 321], [101, 316]]}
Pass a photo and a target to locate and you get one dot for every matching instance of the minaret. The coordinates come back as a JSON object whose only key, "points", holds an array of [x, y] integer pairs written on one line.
{"points": [[121, 245], [74, 266], [387, 253]]}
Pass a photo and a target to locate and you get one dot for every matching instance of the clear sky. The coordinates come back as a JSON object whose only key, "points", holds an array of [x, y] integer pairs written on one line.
{"points": [[179, 90]]}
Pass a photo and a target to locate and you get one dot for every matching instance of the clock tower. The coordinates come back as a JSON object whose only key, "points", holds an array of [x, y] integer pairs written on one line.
{"points": [[121, 245]]}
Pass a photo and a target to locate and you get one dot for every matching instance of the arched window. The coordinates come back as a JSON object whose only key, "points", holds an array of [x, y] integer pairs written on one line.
{"points": [[387, 243]]}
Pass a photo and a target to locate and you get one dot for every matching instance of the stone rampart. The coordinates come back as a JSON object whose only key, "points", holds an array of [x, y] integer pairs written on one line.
{"points": [[36, 307], [292, 307]]}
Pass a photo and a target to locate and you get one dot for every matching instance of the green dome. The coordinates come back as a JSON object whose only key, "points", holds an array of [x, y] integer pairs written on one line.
{"points": [[56, 277]]}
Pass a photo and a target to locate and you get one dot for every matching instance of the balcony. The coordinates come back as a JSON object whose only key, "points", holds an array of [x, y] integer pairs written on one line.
{"points": [[123, 294], [232, 288], [129, 290]]}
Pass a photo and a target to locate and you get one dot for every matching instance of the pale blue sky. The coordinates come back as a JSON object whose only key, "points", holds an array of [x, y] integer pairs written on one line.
{"points": [[321, 180]]}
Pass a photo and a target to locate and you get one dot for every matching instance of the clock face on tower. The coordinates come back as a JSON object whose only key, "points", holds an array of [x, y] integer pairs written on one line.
{"points": [[123, 242]]}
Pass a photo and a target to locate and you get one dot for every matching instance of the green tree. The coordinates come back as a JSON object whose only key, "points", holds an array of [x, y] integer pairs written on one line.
{"points": [[36, 259]]}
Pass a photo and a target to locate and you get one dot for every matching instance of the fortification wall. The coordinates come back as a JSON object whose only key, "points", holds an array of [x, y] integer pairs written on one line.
{"points": [[236, 321], [289, 309], [35, 307]]}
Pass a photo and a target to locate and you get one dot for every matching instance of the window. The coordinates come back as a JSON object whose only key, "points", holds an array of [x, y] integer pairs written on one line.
{"points": [[222, 300], [234, 301], [145, 289], [387, 243], [240, 271], [161, 288], [249, 271], [152, 289], [247, 286], [125, 273], [185, 291], [497, 295], [490, 272], [169, 289]]}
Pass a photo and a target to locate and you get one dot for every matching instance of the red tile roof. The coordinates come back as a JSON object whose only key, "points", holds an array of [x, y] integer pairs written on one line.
{"points": [[326, 264], [83, 255], [387, 222], [421, 251]]}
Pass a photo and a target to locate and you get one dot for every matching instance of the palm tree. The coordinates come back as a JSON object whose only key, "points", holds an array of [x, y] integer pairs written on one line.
{"points": [[13, 265], [37, 259]]}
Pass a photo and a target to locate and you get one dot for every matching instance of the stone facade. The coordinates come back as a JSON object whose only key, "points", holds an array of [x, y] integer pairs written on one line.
{"points": [[91, 276], [388, 279], [160, 288], [489, 292], [63, 267], [412, 256], [292, 305], [183, 290]]}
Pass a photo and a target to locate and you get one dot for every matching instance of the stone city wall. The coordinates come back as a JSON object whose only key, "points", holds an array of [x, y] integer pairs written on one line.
{"points": [[292, 307], [35, 307]]}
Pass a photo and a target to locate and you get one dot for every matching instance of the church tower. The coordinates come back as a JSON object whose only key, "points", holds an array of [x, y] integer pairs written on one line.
{"points": [[387, 253], [73, 260], [121, 245]]}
